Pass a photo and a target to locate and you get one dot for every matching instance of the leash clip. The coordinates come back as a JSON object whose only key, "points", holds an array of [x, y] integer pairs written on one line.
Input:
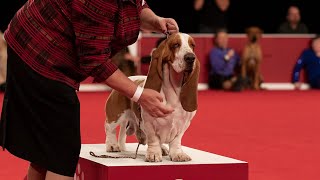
{"points": [[167, 34]]}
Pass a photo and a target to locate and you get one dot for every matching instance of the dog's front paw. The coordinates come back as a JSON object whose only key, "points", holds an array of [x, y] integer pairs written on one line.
{"points": [[113, 148], [165, 150], [122, 147], [256, 87], [153, 156], [179, 157]]}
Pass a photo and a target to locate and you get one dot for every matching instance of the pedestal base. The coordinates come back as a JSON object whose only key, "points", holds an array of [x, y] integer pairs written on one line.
{"points": [[204, 166]]}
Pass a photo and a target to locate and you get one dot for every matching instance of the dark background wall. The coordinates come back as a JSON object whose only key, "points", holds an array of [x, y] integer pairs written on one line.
{"points": [[267, 14], [7, 10]]}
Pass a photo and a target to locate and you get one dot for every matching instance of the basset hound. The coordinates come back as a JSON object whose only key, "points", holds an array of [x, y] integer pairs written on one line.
{"points": [[174, 72]]}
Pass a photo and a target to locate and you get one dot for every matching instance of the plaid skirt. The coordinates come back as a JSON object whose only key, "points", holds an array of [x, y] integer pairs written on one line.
{"points": [[40, 119]]}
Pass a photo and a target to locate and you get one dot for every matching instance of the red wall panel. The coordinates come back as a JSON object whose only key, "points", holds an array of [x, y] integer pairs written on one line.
{"points": [[279, 53]]}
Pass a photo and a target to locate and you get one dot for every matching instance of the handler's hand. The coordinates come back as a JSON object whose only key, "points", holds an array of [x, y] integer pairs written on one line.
{"points": [[168, 25], [151, 22], [151, 100]]}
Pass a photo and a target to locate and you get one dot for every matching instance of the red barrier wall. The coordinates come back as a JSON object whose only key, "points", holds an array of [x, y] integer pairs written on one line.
{"points": [[280, 52]]}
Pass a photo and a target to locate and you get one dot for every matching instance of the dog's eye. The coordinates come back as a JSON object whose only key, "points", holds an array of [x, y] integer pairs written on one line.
{"points": [[192, 46], [176, 45]]}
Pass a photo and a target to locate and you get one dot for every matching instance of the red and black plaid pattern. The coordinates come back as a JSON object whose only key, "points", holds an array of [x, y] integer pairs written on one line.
{"points": [[70, 40]]}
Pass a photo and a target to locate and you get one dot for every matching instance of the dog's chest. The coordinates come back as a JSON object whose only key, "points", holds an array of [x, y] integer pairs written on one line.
{"points": [[253, 56], [171, 126], [253, 51], [252, 62]]}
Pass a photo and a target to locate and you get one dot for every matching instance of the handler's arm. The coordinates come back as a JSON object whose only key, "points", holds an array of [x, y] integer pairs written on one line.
{"points": [[150, 100]]}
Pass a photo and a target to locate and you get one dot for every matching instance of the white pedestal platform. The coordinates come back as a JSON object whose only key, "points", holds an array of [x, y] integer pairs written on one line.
{"points": [[204, 166]]}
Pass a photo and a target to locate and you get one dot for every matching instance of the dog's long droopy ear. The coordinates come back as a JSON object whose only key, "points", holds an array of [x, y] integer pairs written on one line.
{"points": [[154, 78], [246, 30], [189, 91], [260, 32]]}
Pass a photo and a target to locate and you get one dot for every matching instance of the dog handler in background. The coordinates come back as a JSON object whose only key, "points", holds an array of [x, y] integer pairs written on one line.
{"points": [[309, 60], [53, 45]]}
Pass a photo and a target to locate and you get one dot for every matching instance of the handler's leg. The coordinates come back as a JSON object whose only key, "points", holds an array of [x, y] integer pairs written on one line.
{"points": [[53, 176], [36, 172]]}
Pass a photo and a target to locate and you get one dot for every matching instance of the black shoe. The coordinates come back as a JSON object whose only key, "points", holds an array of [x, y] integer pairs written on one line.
{"points": [[237, 86]]}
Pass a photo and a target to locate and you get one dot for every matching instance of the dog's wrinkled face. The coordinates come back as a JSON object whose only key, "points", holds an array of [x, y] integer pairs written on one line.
{"points": [[181, 46], [177, 51], [254, 34]]}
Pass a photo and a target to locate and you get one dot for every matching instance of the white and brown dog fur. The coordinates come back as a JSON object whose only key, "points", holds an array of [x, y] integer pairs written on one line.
{"points": [[174, 72]]}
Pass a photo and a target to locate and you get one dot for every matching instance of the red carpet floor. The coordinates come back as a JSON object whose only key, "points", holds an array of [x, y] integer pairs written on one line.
{"points": [[276, 132]]}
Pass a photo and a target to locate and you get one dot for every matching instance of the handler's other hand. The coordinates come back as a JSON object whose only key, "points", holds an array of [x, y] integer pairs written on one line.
{"points": [[151, 101]]}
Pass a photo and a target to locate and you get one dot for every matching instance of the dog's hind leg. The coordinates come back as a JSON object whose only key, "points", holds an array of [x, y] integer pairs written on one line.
{"points": [[111, 132], [127, 128], [111, 137], [256, 80], [243, 70], [122, 136]]}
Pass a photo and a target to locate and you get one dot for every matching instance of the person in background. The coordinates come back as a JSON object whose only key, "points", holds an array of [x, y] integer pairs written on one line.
{"points": [[293, 25], [310, 62], [126, 62], [3, 63], [212, 14], [223, 64]]}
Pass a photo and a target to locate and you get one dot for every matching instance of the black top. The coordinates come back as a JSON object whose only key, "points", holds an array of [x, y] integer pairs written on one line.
{"points": [[286, 28], [211, 16]]}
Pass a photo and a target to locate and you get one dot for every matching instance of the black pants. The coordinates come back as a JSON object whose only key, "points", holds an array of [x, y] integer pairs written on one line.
{"points": [[216, 82], [315, 84]]}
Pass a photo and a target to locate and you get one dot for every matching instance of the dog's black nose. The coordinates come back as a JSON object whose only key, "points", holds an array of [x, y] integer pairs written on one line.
{"points": [[254, 39], [189, 58]]}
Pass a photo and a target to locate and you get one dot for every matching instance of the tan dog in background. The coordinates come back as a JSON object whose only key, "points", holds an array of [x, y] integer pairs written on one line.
{"points": [[251, 59]]}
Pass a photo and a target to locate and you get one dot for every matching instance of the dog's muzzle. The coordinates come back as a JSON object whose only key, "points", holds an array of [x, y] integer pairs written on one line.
{"points": [[254, 39], [189, 59]]}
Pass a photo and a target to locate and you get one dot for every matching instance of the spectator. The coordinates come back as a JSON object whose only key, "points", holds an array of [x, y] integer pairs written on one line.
{"points": [[293, 25], [223, 63], [212, 14], [126, 62], [310, 62], [3, 62]]}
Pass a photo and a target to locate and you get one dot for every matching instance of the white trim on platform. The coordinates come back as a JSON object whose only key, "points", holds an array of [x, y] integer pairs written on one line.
{"points": [[201, 87], [94, 88], [198, 157]]}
